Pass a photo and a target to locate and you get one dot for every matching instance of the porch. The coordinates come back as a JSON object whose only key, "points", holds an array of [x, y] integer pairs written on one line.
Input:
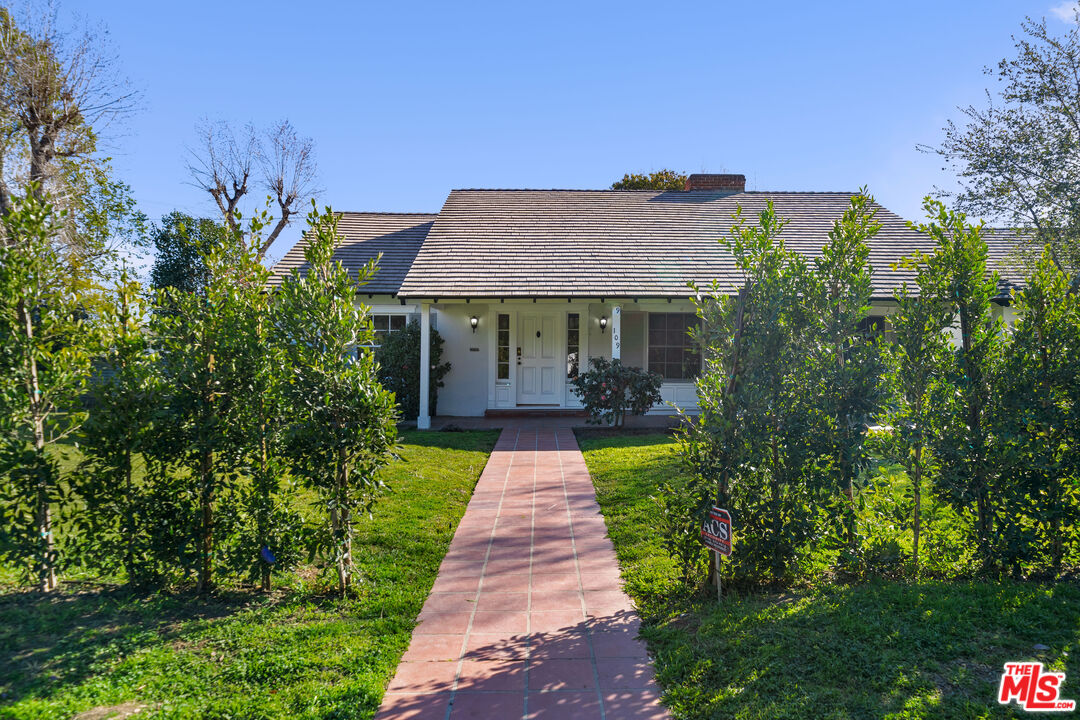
{"points": [[519, 356]]}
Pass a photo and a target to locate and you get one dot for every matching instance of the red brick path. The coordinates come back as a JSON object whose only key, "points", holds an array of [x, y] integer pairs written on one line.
{"points": [[526, 618]]}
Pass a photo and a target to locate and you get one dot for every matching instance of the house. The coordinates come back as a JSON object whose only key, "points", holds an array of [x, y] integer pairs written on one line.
{"points": [[526, 285]]}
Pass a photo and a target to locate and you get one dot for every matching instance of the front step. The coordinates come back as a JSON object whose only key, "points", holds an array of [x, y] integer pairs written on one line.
{"points": [[533, 413]]}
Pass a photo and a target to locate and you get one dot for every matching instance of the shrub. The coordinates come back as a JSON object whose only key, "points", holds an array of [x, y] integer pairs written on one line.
{"points": [[609, 390], [399, 368]]}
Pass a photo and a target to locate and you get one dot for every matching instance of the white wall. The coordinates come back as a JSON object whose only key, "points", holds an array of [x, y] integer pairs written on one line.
{"points": [[465, 387]]}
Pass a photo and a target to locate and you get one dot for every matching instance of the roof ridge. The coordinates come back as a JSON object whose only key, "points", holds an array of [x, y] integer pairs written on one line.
{"points": [[377, 212], [687, 192]]}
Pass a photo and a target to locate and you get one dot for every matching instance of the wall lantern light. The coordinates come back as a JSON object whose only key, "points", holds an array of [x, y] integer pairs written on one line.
{"points": [[474, 321], [603, 323]]}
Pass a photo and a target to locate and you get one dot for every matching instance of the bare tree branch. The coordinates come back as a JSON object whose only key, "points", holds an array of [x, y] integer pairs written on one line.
{"points": [[222, 165], [288, 171], [62, 88]]}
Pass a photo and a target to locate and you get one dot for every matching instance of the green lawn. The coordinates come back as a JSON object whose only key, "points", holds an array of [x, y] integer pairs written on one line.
{"points": [[875, 649], [243, 655]]}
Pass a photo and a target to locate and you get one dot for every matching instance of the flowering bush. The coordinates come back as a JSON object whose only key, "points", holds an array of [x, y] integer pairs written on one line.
{"points": [[609, 390]]}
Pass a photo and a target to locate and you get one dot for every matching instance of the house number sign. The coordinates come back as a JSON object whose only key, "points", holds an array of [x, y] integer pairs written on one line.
{"points": [[616, 330]]}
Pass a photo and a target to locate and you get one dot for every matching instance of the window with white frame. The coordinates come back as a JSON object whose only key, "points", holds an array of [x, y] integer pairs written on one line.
{"points": [[672, 352], [385, 324]]}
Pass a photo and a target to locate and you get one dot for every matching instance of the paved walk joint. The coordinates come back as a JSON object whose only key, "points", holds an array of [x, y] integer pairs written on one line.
{"points": [[527, 619]]}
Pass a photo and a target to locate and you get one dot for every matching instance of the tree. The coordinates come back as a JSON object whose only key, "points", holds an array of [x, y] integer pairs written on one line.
{"points": [[659, 180], [224, 165], [916, 359], [46, 344], [341, 421], [399, 368], [956, 276], [111, 522], [1037, 426], [58, 92], [752, 437], [205, 355], [180, 242], [845, 365], [1017, 158]]}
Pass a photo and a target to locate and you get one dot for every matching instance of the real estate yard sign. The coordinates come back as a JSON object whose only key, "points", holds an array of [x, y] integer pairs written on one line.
{"points": [[716, 532]]}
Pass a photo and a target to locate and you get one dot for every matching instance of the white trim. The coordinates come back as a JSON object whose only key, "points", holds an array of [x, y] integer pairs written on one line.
{"points": [[423, 420]]}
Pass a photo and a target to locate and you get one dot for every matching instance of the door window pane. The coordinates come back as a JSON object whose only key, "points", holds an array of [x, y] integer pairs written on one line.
{"points": [[503, 347], [573, 340]]}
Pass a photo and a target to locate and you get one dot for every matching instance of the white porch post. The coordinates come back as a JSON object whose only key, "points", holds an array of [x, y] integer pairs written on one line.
{"points": [[616, 332], [423, 421]]}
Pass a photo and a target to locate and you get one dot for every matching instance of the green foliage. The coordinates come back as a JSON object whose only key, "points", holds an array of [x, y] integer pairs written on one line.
{"points": [[1037, 427], [209, 352], [399, 368], [111, 523], [844, 365], [341, 423], [660, 180], [753, 441], [1015, 158], [180, 242], [956, 277], [294, 653], [609, 390], [907, 649], [46, 343], [914, 389]]}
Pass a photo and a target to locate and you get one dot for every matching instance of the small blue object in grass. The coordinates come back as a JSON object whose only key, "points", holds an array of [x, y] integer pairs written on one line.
{"points": [[267, 555]]}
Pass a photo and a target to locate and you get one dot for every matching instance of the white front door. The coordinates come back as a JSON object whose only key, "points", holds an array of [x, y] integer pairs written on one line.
{"points": [[539, 364]]}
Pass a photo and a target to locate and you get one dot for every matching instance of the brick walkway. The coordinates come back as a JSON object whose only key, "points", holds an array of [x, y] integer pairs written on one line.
{"points": [[526, 618]]}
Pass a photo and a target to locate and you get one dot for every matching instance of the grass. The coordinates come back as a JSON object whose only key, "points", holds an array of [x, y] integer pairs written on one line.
{"points": [[894, 649], [289, 654]]}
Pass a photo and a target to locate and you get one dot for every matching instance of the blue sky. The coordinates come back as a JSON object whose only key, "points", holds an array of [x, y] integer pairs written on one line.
{"points": [[406, 101]]}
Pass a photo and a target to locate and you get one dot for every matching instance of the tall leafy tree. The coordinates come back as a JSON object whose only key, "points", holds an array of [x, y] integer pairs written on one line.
{"points": [[659, 180], [206, 343], [956, 276], [1016, 157], [180, 242], [341, 421], [46, 344], [59, 92], [753, 435], [845, 364], [916, 359], [1038, 420], [111, 522]]}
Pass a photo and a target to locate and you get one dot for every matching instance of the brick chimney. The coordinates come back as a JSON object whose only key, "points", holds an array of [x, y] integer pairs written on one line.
{"points": [[716, 183]]}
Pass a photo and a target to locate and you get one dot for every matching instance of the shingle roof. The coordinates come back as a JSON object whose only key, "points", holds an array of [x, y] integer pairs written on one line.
{"points": [[1002, 245], [609, 243], [398, 236]]}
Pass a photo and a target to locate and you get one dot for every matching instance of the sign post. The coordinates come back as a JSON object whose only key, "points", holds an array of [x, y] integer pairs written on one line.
{"points": [[716, 535]]}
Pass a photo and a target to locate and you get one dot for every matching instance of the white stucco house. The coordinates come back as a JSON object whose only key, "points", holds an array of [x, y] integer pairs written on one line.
{"points": [[526, 285]]}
